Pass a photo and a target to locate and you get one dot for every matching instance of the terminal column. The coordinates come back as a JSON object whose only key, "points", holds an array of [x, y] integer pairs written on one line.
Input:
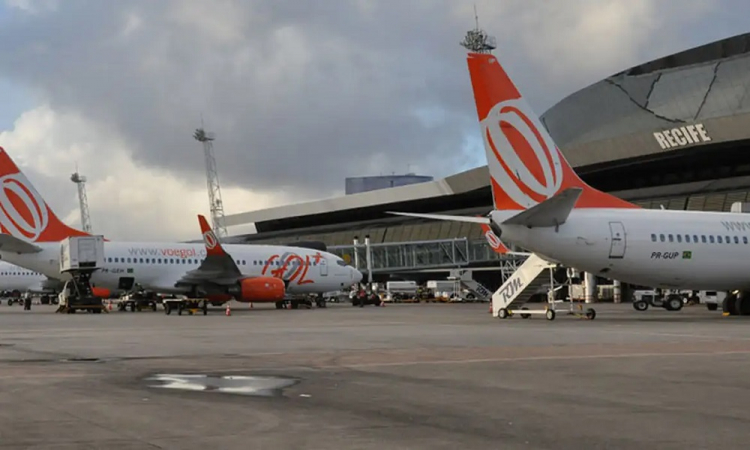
{"points": [[617, 291]]}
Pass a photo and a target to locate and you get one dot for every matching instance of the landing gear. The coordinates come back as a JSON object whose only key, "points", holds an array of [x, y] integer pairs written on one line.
{"points": [[736, 304]]}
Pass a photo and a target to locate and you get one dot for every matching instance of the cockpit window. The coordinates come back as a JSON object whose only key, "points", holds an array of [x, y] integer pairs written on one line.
{"points": [[341, 262]]}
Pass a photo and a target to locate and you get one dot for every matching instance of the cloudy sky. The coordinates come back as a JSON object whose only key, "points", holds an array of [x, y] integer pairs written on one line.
{"points": [[300, 94]]}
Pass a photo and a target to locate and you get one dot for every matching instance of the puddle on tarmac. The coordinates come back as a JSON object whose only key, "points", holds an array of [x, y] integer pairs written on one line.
{"points": [[230, 384]]}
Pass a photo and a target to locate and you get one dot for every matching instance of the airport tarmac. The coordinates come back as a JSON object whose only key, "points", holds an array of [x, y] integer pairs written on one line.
{"points": [[422, 376]]}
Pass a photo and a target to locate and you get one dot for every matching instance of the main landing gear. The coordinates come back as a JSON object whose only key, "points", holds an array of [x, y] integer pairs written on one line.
{"points": [[736, 304]]}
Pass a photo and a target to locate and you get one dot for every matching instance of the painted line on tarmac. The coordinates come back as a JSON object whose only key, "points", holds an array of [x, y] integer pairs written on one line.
{"points": [[534, 358]]}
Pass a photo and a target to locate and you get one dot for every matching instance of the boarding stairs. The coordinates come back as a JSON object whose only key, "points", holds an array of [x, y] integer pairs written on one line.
{"points": [[519, 287], [478, 290]]}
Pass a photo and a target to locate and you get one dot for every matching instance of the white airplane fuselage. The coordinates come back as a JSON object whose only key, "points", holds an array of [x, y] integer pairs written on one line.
{"points": [[16, 278], [158, 266], [658, 248]]}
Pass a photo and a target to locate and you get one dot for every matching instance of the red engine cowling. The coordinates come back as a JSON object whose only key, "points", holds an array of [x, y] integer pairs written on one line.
{"points": [[102, 293], [261, 289]]}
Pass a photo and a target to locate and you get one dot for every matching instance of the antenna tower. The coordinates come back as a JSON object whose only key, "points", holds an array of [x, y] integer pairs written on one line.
{"points": [[212, 178], [83, 202], [477, 40]]}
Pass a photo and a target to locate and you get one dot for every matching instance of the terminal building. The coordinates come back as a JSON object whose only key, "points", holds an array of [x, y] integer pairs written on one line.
{"points": [[671, 133], [357, 185]]}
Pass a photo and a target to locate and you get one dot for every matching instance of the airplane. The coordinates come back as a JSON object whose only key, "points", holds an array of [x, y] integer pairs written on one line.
{"points": [[31, 236], [496, 244], [15, 280], [543, 206]]}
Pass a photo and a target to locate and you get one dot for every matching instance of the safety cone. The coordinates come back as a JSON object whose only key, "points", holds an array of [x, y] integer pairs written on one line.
{"points": [[251, 305], [228, 312], [109, 305], [490, 310]]}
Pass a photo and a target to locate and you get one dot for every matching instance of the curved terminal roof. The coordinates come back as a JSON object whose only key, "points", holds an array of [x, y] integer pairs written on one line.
{"points": [[702, 93]]}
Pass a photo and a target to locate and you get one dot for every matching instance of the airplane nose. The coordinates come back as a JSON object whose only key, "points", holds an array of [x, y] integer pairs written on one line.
{"points": [[356, 276]]}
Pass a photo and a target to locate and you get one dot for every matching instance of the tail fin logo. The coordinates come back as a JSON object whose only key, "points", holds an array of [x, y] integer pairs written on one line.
{"points": [[492, 239], [23, 212], [521, 153], [209, 238]]}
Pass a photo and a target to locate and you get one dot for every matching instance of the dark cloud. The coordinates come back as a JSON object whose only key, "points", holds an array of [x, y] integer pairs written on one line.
{"points": [[304, 93]]}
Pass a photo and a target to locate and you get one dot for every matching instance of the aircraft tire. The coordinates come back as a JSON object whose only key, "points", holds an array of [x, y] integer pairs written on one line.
{"points": [[712, 306], [550, 314], [591, 314], [742, 304], [503, 313], [729, 305]]}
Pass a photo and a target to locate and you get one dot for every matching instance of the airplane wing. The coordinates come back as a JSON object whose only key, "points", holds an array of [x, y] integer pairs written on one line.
{"points": [[12, 244], [484, 220], [217, 268]]}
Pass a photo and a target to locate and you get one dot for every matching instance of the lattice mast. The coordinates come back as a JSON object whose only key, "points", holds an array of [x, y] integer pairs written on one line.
{"points": [[477, 40], [83, 202], [212, 180]]}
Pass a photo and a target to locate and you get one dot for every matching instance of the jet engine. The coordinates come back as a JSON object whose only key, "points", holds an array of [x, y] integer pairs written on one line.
{"points": [[261, 289]]}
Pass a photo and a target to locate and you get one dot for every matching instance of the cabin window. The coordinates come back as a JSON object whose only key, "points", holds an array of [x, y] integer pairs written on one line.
{"points": [[243, 262], [711, 239], [679, 238], [728, 241], [661, 237], [687, 238], [695, 238], [736, 240], [671, 238], [744, 239], [719, 240], [653, 238], [703, 238]]}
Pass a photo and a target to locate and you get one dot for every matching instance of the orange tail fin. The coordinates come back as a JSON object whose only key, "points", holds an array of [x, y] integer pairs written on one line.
{"points": [[526, 167], [23, 212], [213, 246]]}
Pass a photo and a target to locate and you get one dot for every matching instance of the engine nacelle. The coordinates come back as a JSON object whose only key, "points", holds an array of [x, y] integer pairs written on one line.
{"points": [[261, 289], [102, 293]]}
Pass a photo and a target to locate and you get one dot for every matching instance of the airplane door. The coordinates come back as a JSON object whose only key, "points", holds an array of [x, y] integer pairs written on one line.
{"points": [[323, 267], [619, 240]]}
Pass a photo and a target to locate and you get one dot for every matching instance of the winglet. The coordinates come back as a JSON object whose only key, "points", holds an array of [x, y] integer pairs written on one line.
{"points": [[213, 246], [549, 213]]}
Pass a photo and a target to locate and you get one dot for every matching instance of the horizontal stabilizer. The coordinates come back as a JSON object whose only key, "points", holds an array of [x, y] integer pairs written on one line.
{"points": [[550, 213], [484, 220], [12, 244]]}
